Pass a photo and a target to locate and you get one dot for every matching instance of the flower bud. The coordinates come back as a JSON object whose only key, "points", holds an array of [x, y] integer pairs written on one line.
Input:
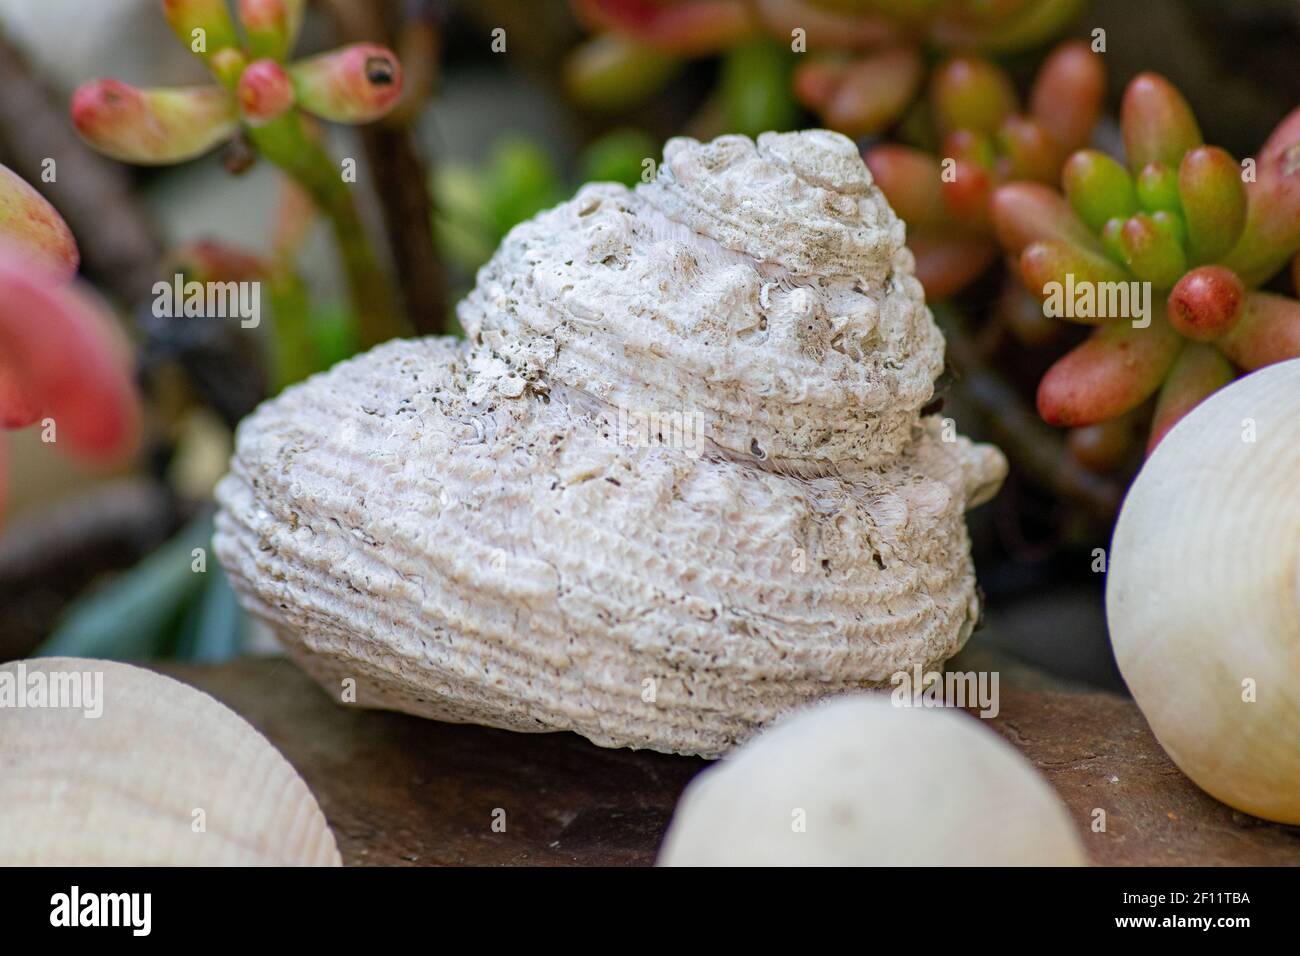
{"points": [[1118, 368], [1198, 373], [1268, 332], [966, 194], [872, 91], [1152, 251], [910, 180], [204, 26], [1051, 261], [1098, 188], [1104, 446], [1028, 150], [1158, 125], [1272, 230], [265, 92], [1171, 225], [1206, 302], [271, 26], [948, 262], [969, 93], [355, 84], [611, 72], [699, 28], [1067, 95], [1157, 188], [152, 127], [1110, 238], [1026, 212], [1213, 200]]}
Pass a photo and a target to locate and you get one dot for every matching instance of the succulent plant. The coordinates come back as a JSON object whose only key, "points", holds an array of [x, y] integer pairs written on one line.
{"points": [[864, 64], [983, 138], [1201, 230], [61, 354], [275, 102]]}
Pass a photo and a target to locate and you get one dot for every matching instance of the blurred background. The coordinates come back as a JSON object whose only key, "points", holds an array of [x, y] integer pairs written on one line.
{"points": [[508, 106]]}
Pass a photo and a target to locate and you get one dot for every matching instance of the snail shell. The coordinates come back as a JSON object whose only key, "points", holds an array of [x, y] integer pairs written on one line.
{"points": [[164, 776], [1203, 593], [860, 782], [676, 483]]}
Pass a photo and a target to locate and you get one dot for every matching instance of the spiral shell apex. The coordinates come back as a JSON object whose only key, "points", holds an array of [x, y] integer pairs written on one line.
{"points": [[676, 483]]}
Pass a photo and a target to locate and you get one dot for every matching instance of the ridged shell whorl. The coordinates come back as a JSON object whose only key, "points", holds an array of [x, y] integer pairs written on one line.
{"points": [[764, 286], [676, 484]]}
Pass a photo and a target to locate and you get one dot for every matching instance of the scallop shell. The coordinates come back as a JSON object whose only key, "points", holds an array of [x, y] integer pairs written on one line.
{"points": [[163, 776], [676, 483], [1203, 593], [860, 782]]}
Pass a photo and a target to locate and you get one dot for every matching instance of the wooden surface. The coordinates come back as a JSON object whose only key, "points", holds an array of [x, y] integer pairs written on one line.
{"points": [[402, 791]]}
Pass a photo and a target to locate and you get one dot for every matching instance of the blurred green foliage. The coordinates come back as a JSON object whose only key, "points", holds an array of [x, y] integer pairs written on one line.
{"points": [[161, 608]]}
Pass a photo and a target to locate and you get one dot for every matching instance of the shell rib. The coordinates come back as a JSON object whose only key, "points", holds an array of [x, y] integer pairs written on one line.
{"points": [[164, 776], [469, 531], [1203, 593]]}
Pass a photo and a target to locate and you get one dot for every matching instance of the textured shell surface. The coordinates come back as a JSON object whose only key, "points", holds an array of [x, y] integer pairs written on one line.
{"points": [[676, 482], [114, 765], [858, 781], [1203, 593]]}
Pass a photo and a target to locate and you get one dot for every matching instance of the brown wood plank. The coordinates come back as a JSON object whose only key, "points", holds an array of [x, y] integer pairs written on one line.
{"points": [[403, 791]]}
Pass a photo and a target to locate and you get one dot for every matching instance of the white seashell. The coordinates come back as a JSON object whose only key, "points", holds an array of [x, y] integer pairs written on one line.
{"points": [[163, 776], [618, 510], [859, 782], [1203, 593]]}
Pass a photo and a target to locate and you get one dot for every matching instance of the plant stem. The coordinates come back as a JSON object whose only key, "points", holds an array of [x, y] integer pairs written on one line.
{"points": [[287, 143], [1034, 447], [399, 168]]}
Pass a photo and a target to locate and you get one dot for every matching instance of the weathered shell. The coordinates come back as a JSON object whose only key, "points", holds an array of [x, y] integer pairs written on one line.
{"points": [[164, 776], [478, 531], [1203, 593], [860, 782]]}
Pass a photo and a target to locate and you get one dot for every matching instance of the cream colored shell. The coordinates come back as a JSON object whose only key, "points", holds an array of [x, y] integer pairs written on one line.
{"points": [[480, 532], [860, 782], [164, 776], [1203, 593]]}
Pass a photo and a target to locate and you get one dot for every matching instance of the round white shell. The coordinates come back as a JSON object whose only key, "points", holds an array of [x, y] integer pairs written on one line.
{"points": [[164, 776], [1203, 593], [859, 782], [487, 532]]}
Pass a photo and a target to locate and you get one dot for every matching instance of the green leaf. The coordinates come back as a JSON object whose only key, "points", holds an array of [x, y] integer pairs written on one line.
{"points": [[756, 89], [618, 157], [135, 616], [215, 624]]}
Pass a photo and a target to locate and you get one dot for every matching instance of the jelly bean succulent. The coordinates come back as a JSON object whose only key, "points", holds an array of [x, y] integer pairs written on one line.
{"points": [[1184, 220], [62, 357], [983, 138], [864, 62], [275, 103]]}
